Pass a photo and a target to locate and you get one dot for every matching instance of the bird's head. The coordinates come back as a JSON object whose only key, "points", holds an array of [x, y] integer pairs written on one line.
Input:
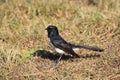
{"points": [[52, 30]]}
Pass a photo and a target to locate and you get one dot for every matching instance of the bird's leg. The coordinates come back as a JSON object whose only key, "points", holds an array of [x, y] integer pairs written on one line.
{"points": [[59, 58], [57, 61]]}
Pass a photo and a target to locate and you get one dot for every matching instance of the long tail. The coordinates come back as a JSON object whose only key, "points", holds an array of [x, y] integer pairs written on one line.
{"points": [[90, 48]]}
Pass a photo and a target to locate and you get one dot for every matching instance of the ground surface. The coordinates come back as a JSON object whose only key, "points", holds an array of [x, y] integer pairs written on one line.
{"points": [[84, 22]]}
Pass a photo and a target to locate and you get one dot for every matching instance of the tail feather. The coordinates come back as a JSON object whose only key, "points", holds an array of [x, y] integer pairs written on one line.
{"points": [[90, 48]]}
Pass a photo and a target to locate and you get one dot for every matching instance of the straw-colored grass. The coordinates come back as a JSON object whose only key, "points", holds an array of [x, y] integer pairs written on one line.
{"points": [[84, 22]]}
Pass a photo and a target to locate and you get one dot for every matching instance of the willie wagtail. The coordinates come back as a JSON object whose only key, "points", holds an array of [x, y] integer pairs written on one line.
{"points": [[61, 46]]}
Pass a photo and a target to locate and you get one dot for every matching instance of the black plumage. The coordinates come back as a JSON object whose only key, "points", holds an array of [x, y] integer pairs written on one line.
{"points": [[61, 45]]}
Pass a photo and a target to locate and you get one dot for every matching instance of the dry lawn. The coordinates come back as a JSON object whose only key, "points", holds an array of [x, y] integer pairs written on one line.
{"points": [[84, 22]]}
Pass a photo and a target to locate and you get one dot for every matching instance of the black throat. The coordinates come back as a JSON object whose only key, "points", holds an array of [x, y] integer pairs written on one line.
{"points": [[53, 33]]}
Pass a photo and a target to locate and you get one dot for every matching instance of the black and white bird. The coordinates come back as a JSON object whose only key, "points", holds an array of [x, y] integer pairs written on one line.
{"points": [[61, 46]]}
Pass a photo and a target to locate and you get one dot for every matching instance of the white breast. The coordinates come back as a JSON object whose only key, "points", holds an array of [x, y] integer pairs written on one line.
{"points": [[50, 42]]}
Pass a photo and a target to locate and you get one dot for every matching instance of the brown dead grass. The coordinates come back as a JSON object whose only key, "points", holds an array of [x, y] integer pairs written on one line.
{"points": [[84, 22]]}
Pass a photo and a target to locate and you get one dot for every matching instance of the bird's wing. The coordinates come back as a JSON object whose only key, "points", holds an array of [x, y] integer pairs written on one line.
{"points": [[66, 47]]}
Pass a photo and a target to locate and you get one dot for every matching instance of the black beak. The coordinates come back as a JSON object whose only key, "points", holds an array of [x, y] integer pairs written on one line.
{"points": [[45, 28]]}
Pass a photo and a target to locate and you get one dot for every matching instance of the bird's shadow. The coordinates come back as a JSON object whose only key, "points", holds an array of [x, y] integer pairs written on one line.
{"points": [[48, 55]]}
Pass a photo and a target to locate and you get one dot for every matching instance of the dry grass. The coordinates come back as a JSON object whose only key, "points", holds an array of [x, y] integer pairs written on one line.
{"points": [[84, 22]]}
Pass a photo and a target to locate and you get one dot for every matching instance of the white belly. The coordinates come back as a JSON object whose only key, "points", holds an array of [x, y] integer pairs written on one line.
{"points": [[59, 51]]}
